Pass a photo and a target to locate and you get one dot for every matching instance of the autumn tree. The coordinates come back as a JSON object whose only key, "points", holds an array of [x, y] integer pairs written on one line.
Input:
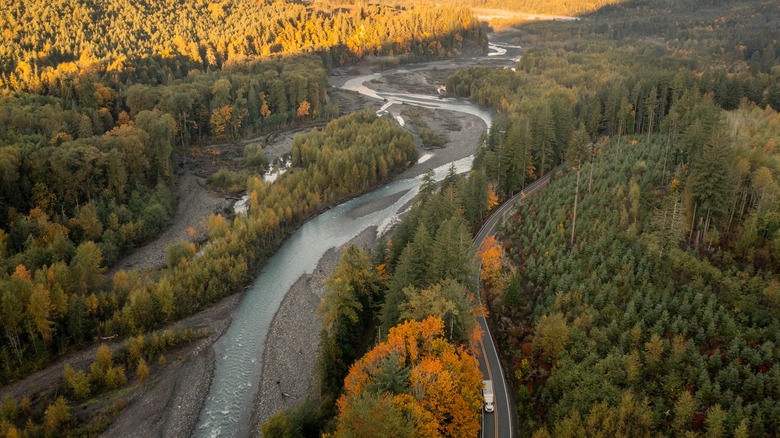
{"points": [[303, 109], [490, 269], [440, 396], [77, 381], [57, 415]]}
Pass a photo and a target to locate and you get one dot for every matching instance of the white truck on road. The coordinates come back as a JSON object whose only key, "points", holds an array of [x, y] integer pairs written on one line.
{"points": [[487, 394]]}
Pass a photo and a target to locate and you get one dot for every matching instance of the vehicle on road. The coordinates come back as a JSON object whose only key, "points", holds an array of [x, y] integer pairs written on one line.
{"points": [[487, 393]]}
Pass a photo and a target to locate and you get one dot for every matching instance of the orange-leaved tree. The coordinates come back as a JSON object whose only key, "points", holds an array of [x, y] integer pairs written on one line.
{"points": [[491, 253], [416, 378]]}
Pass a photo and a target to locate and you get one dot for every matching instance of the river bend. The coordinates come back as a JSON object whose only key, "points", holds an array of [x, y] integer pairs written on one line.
{"points": [[228, 407]]}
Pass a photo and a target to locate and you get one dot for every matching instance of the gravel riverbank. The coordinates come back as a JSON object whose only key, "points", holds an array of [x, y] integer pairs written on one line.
{"points": [[289, 359], [169, 405]]}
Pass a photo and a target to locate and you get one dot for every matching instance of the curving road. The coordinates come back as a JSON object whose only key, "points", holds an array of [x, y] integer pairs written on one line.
{"points": [[500, 422]]}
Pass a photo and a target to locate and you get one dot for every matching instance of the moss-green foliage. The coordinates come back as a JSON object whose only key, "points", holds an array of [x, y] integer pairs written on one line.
{"points": [[431, 139], [299, 421], [254, 156], [352, 153], [639, 319], [226, 179]]}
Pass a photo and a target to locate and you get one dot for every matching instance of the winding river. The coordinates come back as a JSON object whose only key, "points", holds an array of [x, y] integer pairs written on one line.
{"points": [[228, 408]]}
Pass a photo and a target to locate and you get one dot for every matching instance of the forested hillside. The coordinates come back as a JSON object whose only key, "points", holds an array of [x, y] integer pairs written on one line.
{"points": [[154, 41], [547, 7], [100, 102], [638, 293]]}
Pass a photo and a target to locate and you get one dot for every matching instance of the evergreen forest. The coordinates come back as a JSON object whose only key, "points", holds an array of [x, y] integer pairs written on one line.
{"points": [[636, 295]]}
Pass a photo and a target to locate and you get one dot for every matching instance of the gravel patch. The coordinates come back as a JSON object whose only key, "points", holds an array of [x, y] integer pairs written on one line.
{"points": [[290, 355], [194, 205], [369, 207], [169, 405]]}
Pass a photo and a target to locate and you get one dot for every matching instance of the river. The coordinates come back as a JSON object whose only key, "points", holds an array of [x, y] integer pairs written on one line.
{"points": [[228, 407]]}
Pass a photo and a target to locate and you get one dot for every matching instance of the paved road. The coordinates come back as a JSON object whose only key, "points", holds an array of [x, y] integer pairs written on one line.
{"points": [[501, 422]]}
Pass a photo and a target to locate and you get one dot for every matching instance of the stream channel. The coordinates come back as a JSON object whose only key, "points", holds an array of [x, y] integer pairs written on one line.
{"points": [[228, 407]]}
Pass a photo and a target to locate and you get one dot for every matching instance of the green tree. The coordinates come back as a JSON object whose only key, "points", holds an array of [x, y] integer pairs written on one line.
{"points": [[374, 415], [551, 335], [684, 408], [451, 252]]}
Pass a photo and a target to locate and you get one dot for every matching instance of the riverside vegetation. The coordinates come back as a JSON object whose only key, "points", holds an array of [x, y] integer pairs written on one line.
{"points": [[93, 122]]}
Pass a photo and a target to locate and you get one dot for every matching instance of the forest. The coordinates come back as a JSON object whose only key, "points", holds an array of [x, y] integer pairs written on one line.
{"points": [[637, 294], [67, 304], [546, 7], [89, 145], [48, 50]]}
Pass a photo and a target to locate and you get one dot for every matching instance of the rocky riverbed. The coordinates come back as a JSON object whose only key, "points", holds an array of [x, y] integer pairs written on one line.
{"points": [[290, 356]]}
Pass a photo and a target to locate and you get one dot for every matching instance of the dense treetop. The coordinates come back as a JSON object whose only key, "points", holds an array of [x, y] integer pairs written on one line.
{"points": [[45, 44], [547, 7], [414, 384]]}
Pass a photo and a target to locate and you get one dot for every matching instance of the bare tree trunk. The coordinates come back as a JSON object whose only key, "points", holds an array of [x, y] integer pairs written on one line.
{"points": [[663, 229], [731, 216], [744, 201], [666, 157], [590, 181], [693, 222], [675, 233], [13, 339], [706, 225], [576, 195]]}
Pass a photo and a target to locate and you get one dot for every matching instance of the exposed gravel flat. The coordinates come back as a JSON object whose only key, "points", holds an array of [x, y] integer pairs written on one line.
{"points": [[169, 405], [290, 355]]}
